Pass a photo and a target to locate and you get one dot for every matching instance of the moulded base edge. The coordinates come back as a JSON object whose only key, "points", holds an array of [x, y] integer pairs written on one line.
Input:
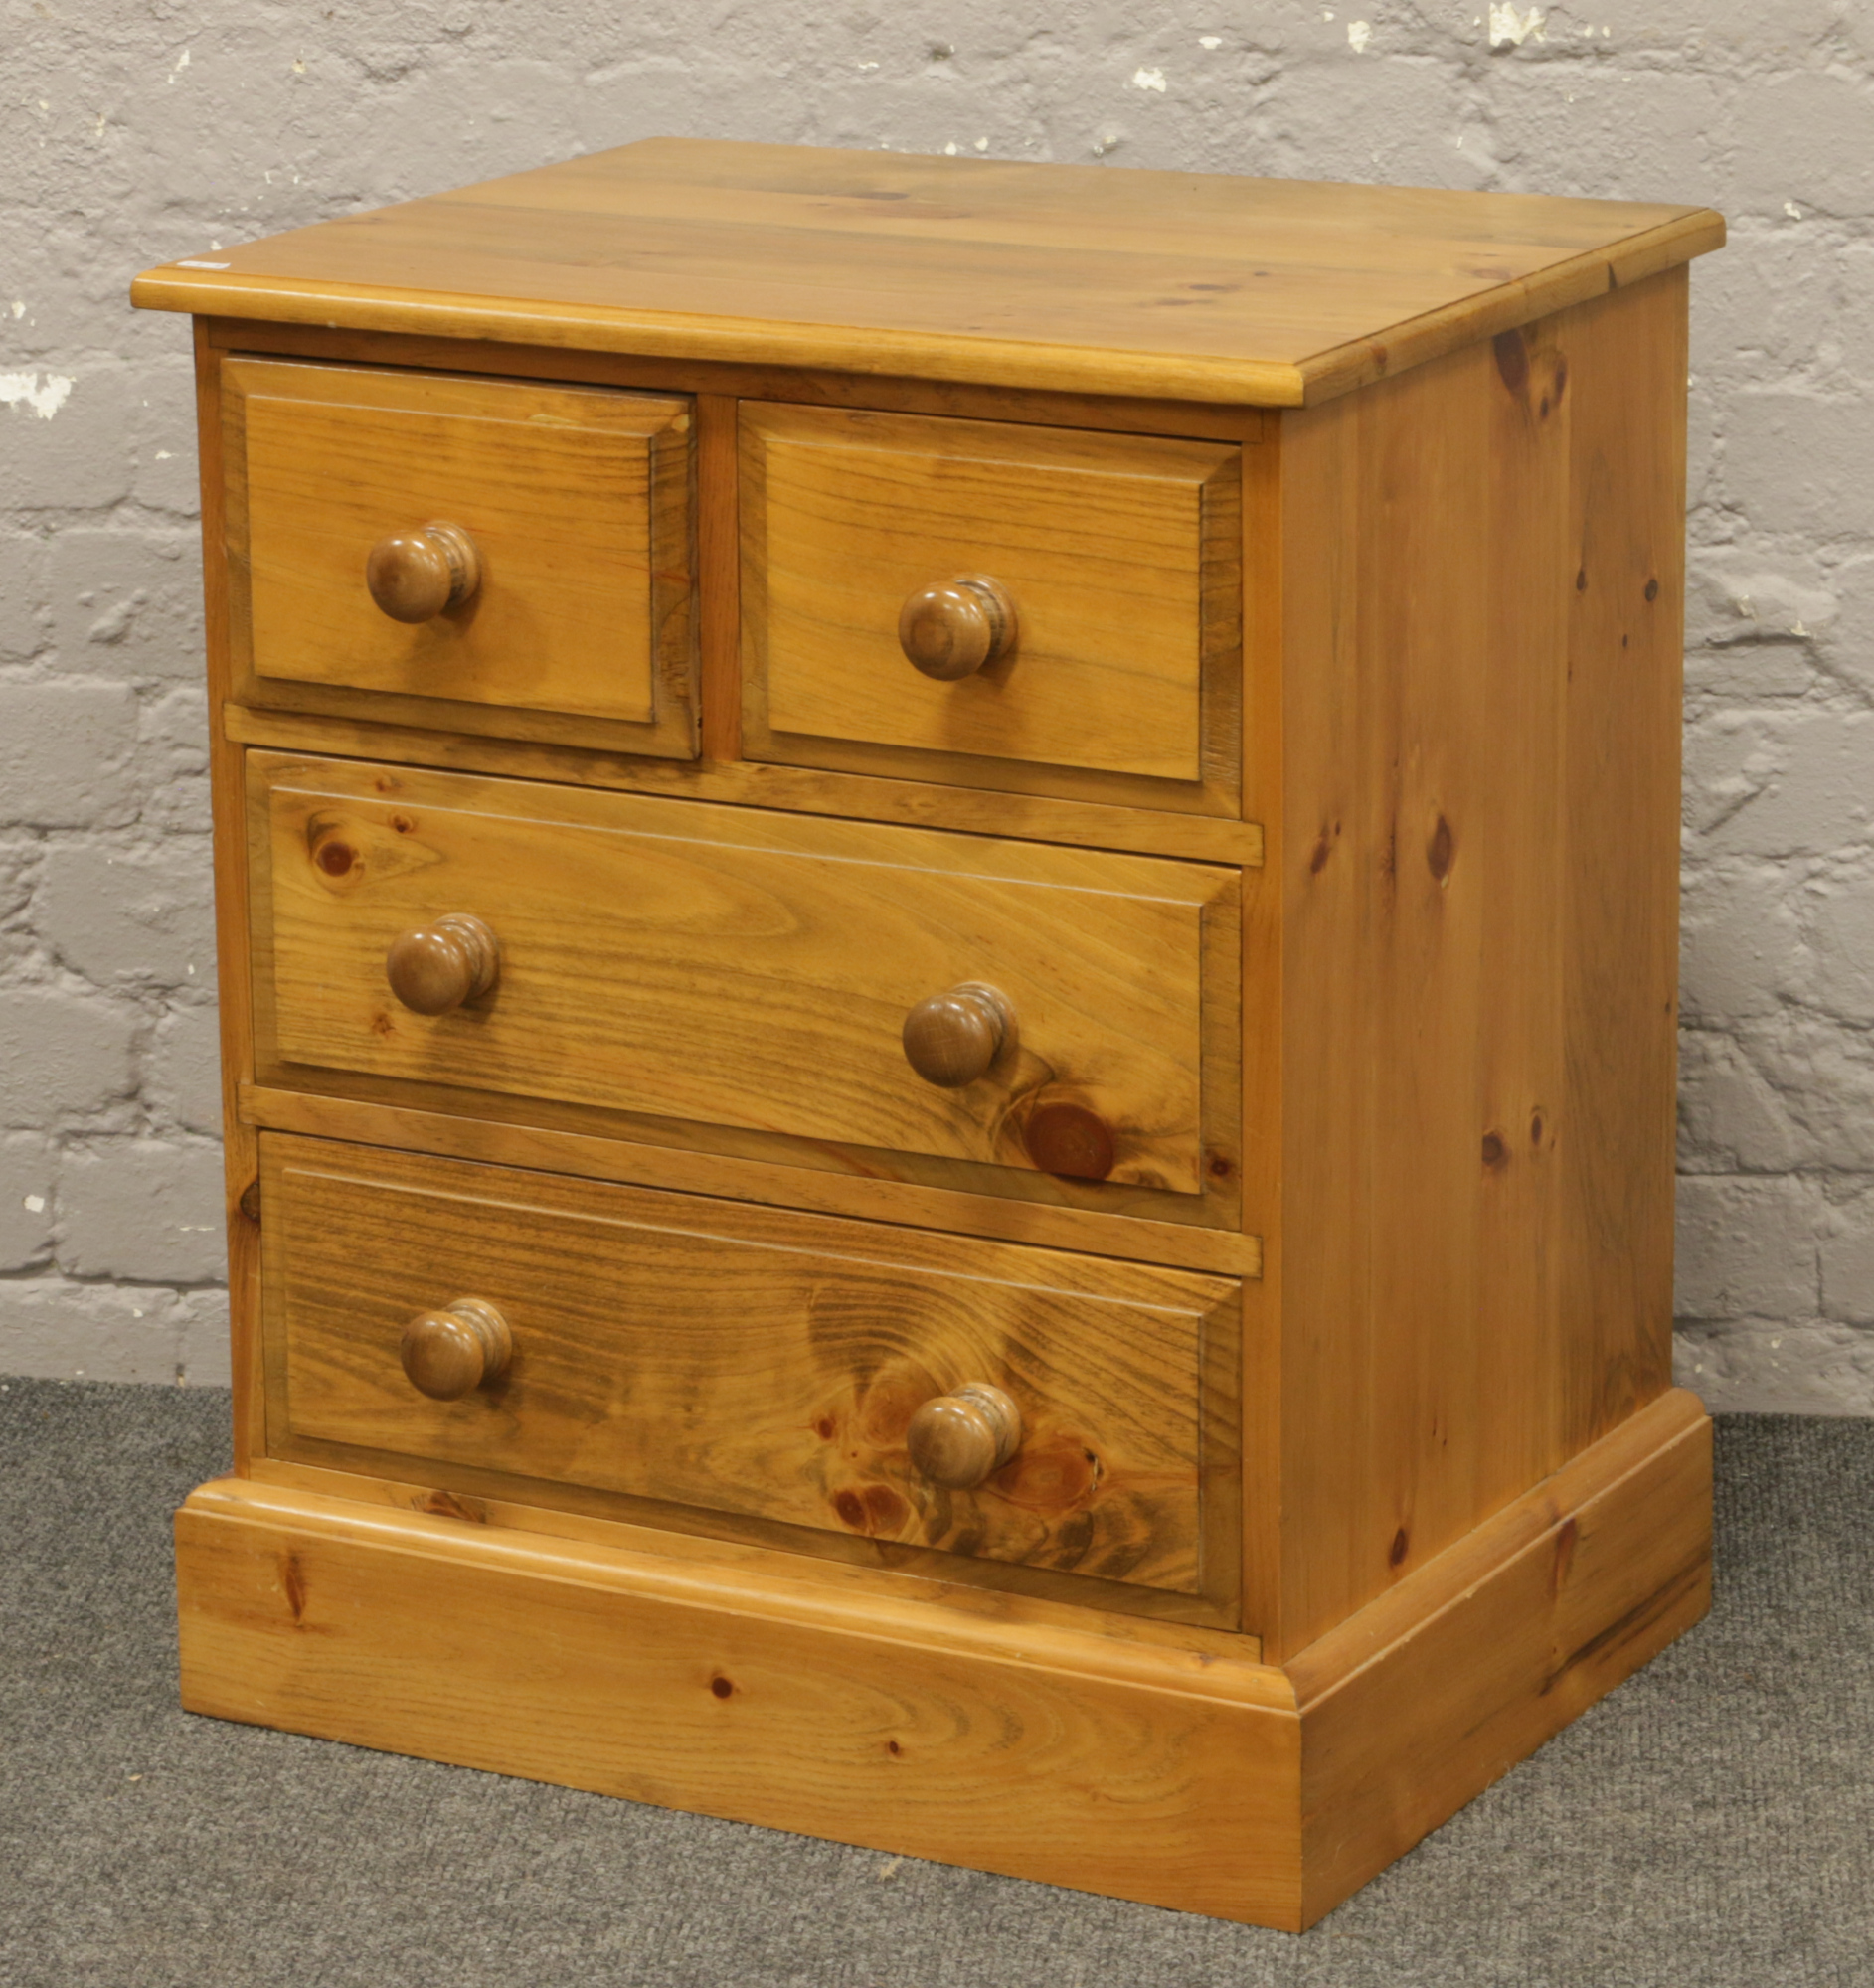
{"points": [[1176, 1777]]}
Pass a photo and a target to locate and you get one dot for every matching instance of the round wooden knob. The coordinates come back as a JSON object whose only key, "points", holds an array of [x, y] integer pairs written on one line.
{"points": [[959, 1439], [954, 629], [416, 576], [449, 1353], [438, 966], [953, 1037]]}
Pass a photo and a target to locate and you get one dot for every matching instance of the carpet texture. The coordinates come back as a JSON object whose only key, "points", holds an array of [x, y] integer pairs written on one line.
{"points": [[1711, 1823]]}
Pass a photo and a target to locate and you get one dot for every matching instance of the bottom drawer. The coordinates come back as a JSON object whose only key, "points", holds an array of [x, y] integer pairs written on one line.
{"points": [[754, 1372]]}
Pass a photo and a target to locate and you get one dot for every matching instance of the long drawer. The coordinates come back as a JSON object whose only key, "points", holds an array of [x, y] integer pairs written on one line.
{"points": [[733, 967], [737, 1363]]}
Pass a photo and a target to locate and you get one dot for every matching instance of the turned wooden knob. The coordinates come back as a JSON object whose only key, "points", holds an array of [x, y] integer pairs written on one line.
{"points": [[959, 1439], [954, 629], [954, 1036], [438, 966], [416, 576], [449, 1353]]}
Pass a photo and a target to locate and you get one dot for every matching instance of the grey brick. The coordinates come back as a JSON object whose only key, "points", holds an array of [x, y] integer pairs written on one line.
{"points": [[163, 440], [1706, 397], [1583, 137], [73, 455], [19, 869], [24, 622], [26, 1169], [200, 1319], [64, 752], [1733, 38], [1775, 783], [1769, 310], [169, 776], [1731, 1119], [1848, 1262], [1851, 636], [124, 915], [1741, 949], [1795, 460], [145, 1210], [1411, 116], [127, 602], [1804, 139], [1841, 938], [1823, 1070], [56, 1328], [62, 1057], [1734, 595], [185, 1083], [1758, 671], [1747, 1247], [1807, 1367]]}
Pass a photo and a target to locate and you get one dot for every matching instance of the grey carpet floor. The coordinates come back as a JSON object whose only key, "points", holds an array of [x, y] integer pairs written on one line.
{"points": [[1712, 1822]]}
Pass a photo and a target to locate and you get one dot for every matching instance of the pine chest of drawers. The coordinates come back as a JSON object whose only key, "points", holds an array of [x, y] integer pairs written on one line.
{"points": [[947, 900]]}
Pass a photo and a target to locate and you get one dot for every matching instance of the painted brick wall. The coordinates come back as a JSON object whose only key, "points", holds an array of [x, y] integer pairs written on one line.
{"points": [[143, 129]]}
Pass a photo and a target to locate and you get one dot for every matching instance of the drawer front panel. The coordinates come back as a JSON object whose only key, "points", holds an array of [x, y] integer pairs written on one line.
{"points": [[728, 966], [752, 1362], [1119, 555], [575, 501]]}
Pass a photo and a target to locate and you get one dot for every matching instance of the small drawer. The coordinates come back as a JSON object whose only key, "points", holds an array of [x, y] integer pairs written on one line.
{"points": [[1078, 594], [525, 1336], [489, 556], [1070, 1012]]}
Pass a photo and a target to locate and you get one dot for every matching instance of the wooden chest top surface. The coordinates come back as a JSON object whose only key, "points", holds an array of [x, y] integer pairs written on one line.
{"points": [[1082, 278]]}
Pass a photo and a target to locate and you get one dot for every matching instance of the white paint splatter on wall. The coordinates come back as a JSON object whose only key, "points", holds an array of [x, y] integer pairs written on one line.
{"points": [[1509, 29], [22, 389]]}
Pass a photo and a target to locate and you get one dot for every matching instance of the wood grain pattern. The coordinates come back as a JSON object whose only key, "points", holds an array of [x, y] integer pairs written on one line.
{"points": [[746, 969], [1124, 1766], [1265, 1020], [1119, 551], [1625, 675], [990, 1730], [825, 1190], [228, 801], [809, 386], [1077, 278], [1217, 1208], [1481, 599], [719, 580], [914, 803], [1418, 1703], [1416, 1070], [749, 1360], [864, 1567], [559, 1508], [578, 500]]}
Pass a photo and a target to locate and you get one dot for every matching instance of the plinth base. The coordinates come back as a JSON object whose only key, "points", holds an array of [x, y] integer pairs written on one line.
{"points": [[1184, 1778]]}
